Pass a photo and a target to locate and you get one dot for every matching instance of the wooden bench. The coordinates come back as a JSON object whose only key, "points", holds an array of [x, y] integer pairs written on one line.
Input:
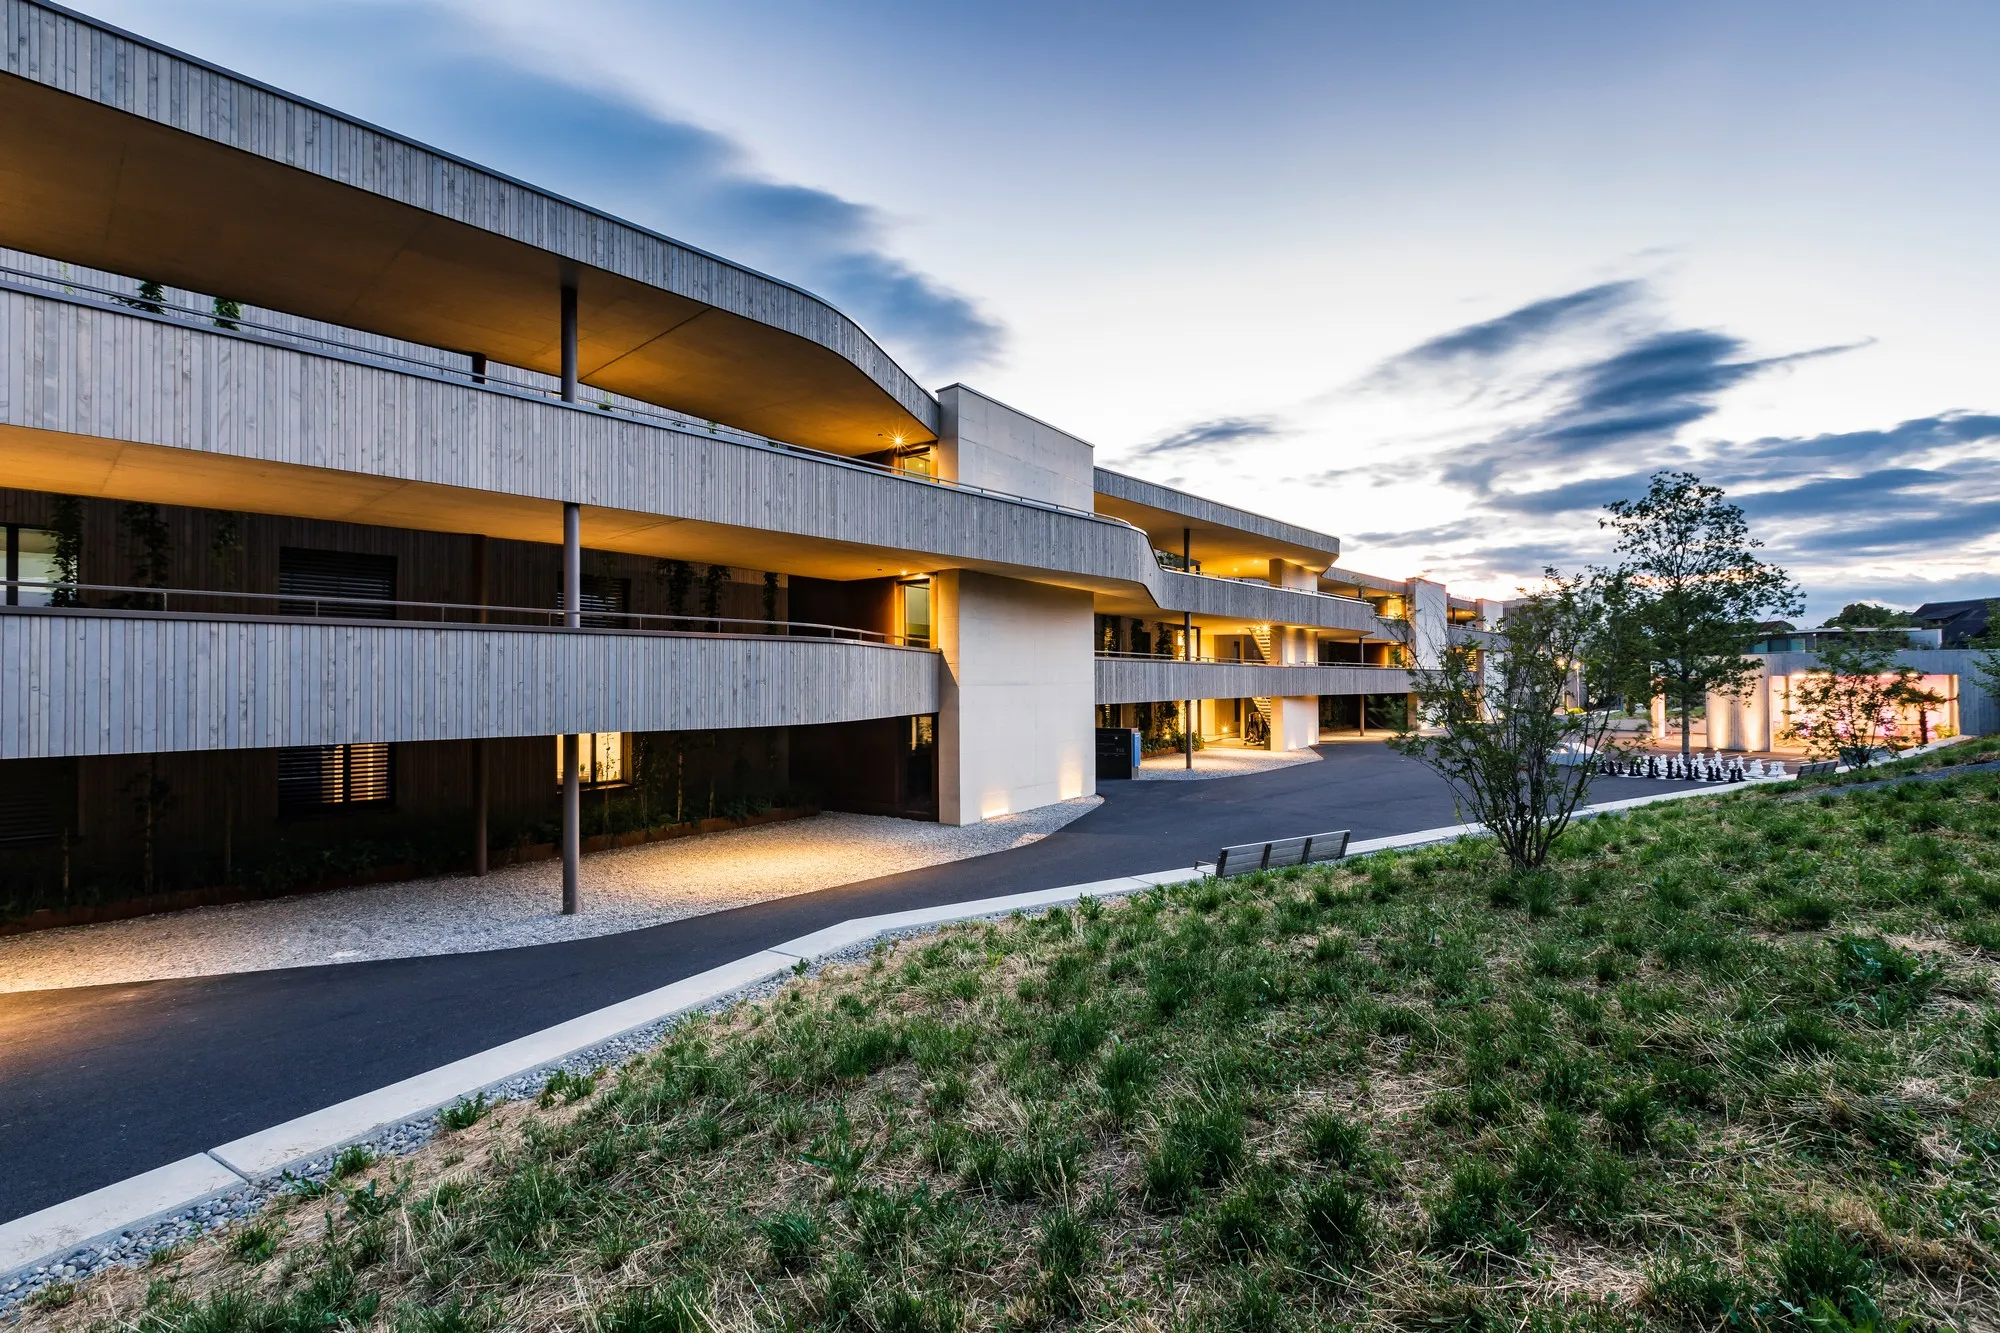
{"points": [[1254, 856]]}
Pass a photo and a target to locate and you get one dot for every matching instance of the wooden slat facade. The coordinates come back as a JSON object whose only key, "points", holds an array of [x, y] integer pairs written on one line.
{"points": [[1138, 680], [117, 375], [97, 683]]}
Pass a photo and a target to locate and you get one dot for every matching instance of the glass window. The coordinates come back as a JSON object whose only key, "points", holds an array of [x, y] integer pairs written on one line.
{"points": [[31, 558], [915, 613], [920, 460], [600, 758]]}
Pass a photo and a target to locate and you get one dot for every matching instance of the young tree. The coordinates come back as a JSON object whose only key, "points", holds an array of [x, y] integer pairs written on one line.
{"points": [[1868, 615], [1847, 704], [1498, 733], [1689, 591], [1986, 654]]}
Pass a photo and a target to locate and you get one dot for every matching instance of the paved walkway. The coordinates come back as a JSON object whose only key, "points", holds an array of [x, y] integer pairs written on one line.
{"points": [[622, 890], [1219, 761], [107, 1081]]}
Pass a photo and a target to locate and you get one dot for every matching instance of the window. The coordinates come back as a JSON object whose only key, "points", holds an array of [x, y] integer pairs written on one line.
{"points": [[31, 558], [600, 759], [920, 759], [913, 611], [919, 459], [321, 778], [604, 601], [342, 584]]}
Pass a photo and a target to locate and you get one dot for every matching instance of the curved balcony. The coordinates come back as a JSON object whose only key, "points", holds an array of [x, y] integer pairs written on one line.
{"points": [[77, 681], [100, 399], [1133, 679]]}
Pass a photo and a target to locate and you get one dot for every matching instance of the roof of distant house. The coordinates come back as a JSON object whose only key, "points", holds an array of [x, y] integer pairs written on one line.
{"points": [[1959, 620]]}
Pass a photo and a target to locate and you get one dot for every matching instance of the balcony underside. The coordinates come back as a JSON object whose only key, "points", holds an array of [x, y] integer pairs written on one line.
{"points": [[123, 156], [98, 683], [1140, 680]]}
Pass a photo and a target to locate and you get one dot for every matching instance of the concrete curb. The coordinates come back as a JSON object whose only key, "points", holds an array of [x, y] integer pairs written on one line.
{"points": [[93, 1218]]}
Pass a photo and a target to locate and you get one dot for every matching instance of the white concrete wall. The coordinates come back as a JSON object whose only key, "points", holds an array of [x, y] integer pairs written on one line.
{"points": [[1014, 717], [1295, 722], [1285, 574], [986, 443], [1430, 621]]}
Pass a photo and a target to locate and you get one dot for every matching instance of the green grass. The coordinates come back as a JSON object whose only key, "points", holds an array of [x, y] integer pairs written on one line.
{"points": [[1732, 1062]]}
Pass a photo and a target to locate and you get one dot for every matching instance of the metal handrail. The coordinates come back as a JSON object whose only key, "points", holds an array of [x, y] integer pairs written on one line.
{"points": [[480, 615], [492, 379], [1206, 660]]}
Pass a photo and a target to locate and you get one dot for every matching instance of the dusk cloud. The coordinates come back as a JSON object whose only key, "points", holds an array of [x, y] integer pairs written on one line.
{"points": [[1480, 344], [440, 76], [1217, 436]]}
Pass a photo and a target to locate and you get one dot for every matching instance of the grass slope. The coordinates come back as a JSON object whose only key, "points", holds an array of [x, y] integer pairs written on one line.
{"points": [[1729, 1062]]}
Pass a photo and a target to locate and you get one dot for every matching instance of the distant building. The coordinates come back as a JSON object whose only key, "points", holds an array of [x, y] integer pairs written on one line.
{"points": [[1960, 622]]}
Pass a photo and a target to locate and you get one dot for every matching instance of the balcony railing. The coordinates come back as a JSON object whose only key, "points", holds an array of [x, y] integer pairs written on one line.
{"points": [[216, 604], [1206, 659]]}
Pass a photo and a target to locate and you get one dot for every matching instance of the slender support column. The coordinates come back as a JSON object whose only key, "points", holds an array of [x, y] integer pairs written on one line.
{"points": [[1187, 655], [1187, 550], [572, 824], [479, 367], [572, 566], [572, 817], [480, 792], [569, 344]]}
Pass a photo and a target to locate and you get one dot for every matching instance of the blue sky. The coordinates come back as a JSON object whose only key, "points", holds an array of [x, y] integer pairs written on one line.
{"points": [[1438, 278]]}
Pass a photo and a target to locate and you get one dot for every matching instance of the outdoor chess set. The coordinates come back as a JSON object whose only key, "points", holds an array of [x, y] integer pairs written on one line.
{"points": [[1695, 768]]}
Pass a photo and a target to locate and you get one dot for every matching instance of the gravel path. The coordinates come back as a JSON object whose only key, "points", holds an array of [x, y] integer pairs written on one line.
{"points": [[1219, 762], [622, 890]]}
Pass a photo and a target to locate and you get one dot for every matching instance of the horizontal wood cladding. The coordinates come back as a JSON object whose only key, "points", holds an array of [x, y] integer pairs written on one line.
{"points": [[97, 684], [66, 51], [1136, 681], [124, 376]]}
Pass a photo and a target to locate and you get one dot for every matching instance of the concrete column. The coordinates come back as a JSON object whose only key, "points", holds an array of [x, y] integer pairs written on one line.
{"points": [[572, 825], [480, 793], [568, 343]]}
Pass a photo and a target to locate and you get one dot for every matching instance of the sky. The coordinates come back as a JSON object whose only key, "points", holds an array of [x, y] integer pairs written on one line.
{"points": [[1441, 279]]}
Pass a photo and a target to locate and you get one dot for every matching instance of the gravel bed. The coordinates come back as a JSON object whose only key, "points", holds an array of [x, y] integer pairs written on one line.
{"points": [[136, 1248], [627, 889]]}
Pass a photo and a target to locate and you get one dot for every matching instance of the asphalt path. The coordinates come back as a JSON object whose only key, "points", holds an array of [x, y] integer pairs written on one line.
{"points": [[99, 1083]]}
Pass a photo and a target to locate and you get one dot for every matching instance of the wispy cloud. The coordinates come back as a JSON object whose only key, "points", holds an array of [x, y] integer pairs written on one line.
{"points": [[442, 75], [1475, 347], [1220, 435]]}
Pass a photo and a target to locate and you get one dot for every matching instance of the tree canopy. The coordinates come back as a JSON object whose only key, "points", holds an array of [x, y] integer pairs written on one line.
{"points": [[1686, 597]]}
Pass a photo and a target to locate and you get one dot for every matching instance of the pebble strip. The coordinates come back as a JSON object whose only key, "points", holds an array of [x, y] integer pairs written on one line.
{"points": [[628, 889]]}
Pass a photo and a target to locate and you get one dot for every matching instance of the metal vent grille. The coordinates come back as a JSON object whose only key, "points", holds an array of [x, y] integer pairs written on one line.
{"points": [[336, 583], [331, 776], [27, 805]]}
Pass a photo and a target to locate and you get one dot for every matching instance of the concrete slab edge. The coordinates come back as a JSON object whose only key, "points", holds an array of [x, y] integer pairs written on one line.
{"points": [[127, 1205]]}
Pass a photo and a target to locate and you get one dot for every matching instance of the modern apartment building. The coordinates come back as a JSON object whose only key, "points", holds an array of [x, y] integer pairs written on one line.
{"points": [[369, 511]]}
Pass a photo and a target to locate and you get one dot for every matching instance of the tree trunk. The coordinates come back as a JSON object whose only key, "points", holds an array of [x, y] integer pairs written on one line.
{"points": [[1687, 723]]}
